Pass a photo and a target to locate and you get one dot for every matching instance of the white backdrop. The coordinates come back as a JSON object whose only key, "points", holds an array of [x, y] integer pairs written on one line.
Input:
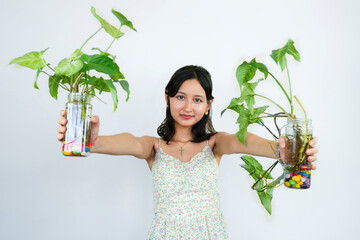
{"points": [[44, 195]]}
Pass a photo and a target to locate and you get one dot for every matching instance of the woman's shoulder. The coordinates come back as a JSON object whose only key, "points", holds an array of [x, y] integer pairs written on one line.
{"points": [[212, 139], [149, 141]]}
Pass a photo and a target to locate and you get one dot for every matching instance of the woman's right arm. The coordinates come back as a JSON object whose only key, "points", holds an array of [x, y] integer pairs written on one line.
{"points": [[119, 144]]}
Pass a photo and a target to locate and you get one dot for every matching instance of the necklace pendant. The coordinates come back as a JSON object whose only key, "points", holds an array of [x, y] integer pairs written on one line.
{"points": [[181, 151]]}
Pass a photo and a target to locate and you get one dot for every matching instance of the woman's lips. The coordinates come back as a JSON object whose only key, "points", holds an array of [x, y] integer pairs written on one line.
{"points": [[186, 116]]}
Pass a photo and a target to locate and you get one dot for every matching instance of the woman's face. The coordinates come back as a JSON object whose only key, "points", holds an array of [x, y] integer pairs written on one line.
{"points": [[189, 104]]}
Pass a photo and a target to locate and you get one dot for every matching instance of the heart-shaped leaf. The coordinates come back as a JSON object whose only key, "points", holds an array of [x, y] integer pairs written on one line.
{"points": [[68, 67], [32, 60], [123, 20], [110, 29]]}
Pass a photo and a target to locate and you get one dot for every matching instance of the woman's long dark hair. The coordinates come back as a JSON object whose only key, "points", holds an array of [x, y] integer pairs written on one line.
{"points": [[203, 129]]}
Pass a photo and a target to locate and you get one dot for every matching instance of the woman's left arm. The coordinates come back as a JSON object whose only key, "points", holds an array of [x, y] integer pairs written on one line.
{"points": [[226, 143]]}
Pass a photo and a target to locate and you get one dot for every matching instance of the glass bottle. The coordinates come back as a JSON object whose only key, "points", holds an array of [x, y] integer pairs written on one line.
{"points": [[298, 133], [78, 127]]}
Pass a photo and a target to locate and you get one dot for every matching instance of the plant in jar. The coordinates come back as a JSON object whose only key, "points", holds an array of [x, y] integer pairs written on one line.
{"points": [[297, 133], [84, 76]]}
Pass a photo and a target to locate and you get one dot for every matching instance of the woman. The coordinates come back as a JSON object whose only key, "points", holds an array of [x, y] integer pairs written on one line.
{"points": [[184, 160]]}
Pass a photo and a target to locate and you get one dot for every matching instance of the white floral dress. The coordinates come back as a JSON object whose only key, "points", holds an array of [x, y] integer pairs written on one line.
{"points": [[186, 197]]}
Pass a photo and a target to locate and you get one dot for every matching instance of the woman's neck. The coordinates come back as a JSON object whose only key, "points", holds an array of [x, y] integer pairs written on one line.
{"points": [[182, 134]]}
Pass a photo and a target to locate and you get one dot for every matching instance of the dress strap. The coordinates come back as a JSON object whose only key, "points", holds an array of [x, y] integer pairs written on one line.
{"points": [[159, 143]]}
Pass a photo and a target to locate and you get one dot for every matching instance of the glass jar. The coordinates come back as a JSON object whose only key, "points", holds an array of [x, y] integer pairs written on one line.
{"points": [[78, 127], [298, 133]]}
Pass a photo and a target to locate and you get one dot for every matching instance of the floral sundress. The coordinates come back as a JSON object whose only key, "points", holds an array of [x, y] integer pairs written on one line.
{"points": [[186, 197]]}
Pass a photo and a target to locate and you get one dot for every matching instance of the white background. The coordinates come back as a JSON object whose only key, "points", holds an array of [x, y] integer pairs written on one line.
{"points": [[44, 195]]}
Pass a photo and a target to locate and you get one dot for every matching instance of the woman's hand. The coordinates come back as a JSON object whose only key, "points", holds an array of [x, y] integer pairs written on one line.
{"points": [[310, 152], [94, 128]]}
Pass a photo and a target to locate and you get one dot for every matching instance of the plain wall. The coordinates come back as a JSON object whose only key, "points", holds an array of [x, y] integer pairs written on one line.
{"points": [[46, 196]]}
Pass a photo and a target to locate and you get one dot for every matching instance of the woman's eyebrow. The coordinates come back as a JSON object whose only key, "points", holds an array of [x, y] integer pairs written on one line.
{"points": [[200, 96]]}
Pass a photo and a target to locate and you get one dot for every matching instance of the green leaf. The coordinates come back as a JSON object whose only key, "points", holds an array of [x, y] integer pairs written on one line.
{"points": [[117, 76], [260, 66], [254, 168], [241, 134], [54, 86], [32, 60], [77, 54], [276, 182], [105, 53], [243, 121], [98, 83], [257, 169], [244, 73], [36, 78], [101, 64], [113, 91], [248, 95], [68, 67], [125, 85], [110, 29], [265, 199], [255, 117], [123, 20], [65, 80], [278, 55], [234, 105]]}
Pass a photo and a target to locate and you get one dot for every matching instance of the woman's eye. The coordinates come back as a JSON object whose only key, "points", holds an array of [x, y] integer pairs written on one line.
{"points": [[198, 100], [180, 97]]}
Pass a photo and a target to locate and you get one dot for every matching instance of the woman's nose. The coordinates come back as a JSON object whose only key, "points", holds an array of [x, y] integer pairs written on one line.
{"points": [[188, 106]]}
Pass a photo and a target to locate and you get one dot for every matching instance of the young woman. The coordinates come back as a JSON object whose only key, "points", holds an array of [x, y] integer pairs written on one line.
{"points": [[184, 160]]}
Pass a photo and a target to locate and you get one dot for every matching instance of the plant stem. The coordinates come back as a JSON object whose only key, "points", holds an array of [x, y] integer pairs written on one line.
{"points": [[60, 84], [48, 65], [306, 119], [288, 74], [265, 175], [307, 138], [282, 88], [110, 45], [273, 116], [111, 42], [276, 137], [275, 104], [90, 38], [77, 80]]}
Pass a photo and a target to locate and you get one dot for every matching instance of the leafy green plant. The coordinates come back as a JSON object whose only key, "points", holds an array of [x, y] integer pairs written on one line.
{"points": [[81, 72], [244, 106]]}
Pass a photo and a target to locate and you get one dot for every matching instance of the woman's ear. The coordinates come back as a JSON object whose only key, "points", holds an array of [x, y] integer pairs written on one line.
{"points": [[209, 104], [166, 99]]}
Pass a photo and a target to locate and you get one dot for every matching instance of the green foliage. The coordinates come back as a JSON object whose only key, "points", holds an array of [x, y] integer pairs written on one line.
{"points": [[261, 177], [278, 55], [110, 29], [123, 20], [248, 114], [80, 72], [68, 67], [32, 60]]}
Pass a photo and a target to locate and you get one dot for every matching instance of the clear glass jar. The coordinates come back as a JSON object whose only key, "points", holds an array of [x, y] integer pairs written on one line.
{"points": [[298, 133], [78, 127]]}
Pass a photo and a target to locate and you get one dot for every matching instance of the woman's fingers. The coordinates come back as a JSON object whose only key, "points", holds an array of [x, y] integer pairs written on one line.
{"points": [[95, 119], [313, 142], [60, 137], [62, 121], [313, 167], [61, 130], [312, 151], [312, 158]]}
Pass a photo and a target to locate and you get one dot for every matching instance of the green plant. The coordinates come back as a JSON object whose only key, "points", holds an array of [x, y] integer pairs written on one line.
{"points": [[249, 114], [80, 72]]}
